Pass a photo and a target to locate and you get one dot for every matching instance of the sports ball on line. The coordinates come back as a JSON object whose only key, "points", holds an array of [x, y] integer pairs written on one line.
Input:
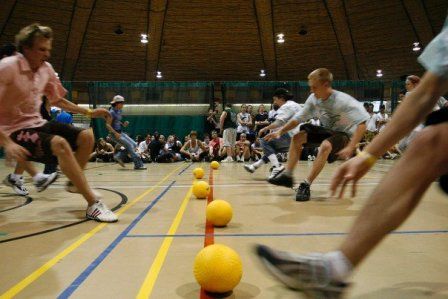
{"points": [[214, 164], [219, 212], [200, 189], [198, 173], [218, 268]]}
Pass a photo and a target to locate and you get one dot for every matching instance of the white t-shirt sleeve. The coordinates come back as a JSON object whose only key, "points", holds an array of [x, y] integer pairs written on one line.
{"points": [[435, 56], [307, 111], [442, 101]]}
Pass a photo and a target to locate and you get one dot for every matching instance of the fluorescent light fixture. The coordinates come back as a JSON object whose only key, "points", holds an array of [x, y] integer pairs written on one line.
{"points": [[416, 47], [379, 73], [144, 38], [280, 38]]}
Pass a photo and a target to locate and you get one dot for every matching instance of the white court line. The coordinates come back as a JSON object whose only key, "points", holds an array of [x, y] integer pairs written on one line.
{"points": [[189, 185]]}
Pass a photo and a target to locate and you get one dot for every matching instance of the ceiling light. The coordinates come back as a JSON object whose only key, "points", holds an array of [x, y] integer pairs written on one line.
{"points": [[280, 38], [416, 47], [379, 73], [144, 38], [262, 73], [159, 75]]}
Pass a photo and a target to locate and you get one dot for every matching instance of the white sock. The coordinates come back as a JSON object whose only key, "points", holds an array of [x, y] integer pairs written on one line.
{"points": [[306, 181], [39, 176], [273, 159], [258, 163], [341, 267]]}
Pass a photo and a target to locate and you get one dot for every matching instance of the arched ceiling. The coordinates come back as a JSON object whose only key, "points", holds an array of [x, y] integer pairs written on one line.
{"points": [[229, 40]]}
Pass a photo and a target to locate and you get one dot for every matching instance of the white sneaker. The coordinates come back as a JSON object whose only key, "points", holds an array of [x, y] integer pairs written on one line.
{"points": [[101, 213], [69, 187], [250, 168], [45, 180], [16, 185], [276, 171], [227, 160]]}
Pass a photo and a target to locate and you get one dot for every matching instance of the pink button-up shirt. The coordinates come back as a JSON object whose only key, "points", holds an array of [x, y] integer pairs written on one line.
{"points": [[21, 92]]}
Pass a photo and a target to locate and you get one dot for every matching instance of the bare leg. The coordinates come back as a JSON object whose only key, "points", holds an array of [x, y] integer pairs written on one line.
{"points": [[29, 167], [229, 150], [85, 142], [399, 192], [70, 167], [321, 159], [295, 149], [19, 168], [246, 153]]}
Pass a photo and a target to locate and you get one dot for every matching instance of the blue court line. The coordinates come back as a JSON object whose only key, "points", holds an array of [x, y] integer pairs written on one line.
{"points": [[411, 232], [83, 276], [183, 170]]}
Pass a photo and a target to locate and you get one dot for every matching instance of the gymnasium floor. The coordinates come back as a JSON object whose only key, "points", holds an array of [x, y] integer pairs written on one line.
{"points": [[150, 251]]}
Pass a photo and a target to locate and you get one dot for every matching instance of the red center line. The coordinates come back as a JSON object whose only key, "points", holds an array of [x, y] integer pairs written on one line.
{"points": [[209, 229]]}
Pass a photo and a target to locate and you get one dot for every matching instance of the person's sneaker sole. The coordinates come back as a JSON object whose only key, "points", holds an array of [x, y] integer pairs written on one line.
{"points": [[52, 178], [119, 161], [99, 220], [286, 183], [302, 199], [249, 168]]}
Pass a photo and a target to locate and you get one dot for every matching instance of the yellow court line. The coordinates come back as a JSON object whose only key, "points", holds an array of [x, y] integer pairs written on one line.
{"points": [[48, 265], [148, 284]]}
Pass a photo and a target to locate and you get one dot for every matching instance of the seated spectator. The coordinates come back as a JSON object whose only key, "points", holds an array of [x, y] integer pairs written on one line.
{"points": [[256, 150], [139, 139], [242, 149], [154, 147], [177, 145], [143, 149], [103, 151], [371, 124], [168, 153], [215, 146], [193, 150], [110, 140], [381, 118]]}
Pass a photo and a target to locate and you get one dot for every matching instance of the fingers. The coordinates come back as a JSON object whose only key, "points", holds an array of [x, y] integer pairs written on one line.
{"points": [[354, 188], [344, 183], [336, 180]]}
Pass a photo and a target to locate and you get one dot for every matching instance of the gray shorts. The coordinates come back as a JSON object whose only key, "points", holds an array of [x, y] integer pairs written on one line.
{"points": [[229, 136]]}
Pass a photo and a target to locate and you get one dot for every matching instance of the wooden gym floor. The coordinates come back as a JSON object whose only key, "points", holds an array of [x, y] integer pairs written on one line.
{"points": [[47, 250]]}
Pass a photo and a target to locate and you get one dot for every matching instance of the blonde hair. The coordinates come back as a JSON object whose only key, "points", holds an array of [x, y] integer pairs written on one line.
{"points": [[28, 34], [321, 74]]}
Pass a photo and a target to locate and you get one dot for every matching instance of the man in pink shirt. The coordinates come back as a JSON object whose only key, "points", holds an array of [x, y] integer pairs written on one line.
{"points": [[25, 135]]}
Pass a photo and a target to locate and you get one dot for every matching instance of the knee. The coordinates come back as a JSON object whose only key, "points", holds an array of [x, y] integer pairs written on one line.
{"points": [[299, 138], [60, 146], [432, 139], [325, 147], [85, 138]]}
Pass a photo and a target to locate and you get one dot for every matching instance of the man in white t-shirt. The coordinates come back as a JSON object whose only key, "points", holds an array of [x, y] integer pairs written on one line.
{"points": [[287, 108], [382, 118], [343, 121]]}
